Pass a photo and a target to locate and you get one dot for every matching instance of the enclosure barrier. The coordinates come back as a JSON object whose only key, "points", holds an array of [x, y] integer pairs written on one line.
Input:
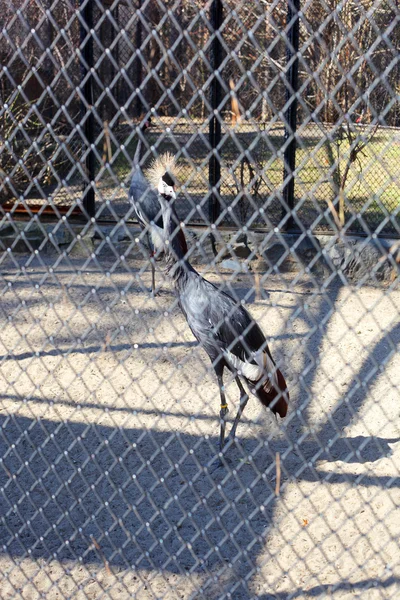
{"points": [[117, 475]]}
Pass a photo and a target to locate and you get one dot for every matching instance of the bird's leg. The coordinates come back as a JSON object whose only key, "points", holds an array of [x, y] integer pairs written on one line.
{"points": [[222, 413], [153, 270], [244, 397], [153, 277], [217, 462]]}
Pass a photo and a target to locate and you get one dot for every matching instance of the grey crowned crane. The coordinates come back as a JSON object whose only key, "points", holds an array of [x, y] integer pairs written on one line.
{"points": [[146, 205], [226, 331]]}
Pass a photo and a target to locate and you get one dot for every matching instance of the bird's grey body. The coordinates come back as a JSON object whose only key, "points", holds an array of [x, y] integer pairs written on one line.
{"points": [[144, 199], [146, 205], [217, 321], [224, 328]]}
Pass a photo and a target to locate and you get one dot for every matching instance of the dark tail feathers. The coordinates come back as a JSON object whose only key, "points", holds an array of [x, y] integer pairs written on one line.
{"points": [[275, 399]]}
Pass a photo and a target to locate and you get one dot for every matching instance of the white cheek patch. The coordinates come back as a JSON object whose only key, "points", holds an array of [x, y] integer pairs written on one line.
{"points": [[166, 190]]}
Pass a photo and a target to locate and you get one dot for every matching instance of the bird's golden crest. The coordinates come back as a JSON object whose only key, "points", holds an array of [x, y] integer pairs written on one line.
{"points": [[165, 163]]}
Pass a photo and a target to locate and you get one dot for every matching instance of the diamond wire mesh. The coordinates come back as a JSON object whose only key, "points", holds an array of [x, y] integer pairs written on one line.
{"points": [[108, 407]]}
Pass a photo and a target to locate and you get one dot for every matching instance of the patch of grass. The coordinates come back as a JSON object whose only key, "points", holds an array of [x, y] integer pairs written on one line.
{"points": [[373, 184]]}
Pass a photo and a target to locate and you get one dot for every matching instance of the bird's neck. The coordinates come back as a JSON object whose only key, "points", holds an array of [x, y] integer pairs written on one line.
{"points": [[175, 245]]}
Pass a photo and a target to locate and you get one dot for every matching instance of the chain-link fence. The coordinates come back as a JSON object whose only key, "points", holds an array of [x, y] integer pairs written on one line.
{"points": [[301, 113], [117, 477]]}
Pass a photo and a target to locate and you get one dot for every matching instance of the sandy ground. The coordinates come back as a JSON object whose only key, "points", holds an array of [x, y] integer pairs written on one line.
{"points": [[108, 418]]}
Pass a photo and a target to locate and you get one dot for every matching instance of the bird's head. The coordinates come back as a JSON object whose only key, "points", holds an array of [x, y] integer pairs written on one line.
{"points": [[146, 124], [166, 187], [274, 391], [280, 404], [162, 177]]}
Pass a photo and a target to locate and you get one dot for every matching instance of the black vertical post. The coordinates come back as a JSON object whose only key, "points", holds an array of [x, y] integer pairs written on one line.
{"points": [[292, 79], [214, 172], [117, 88], [139, 67], [49, 106], [88, 117]]}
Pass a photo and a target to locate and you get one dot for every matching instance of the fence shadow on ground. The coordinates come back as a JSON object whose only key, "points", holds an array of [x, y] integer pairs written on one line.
{"points": [[324, 591], [143, 495]]}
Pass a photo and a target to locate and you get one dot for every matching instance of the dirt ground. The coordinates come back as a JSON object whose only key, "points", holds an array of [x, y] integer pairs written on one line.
{"points": [[108, 418]]}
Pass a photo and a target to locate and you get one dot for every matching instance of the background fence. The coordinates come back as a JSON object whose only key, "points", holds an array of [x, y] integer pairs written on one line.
{"points": [[315, 93], [284, 119]]}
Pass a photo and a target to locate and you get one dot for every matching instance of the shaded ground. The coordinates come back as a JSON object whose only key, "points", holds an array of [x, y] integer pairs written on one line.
{"points": [[108, 416]]}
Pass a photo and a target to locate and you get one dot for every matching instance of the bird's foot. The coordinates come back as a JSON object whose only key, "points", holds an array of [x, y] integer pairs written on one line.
{"points": [[215, 464]]}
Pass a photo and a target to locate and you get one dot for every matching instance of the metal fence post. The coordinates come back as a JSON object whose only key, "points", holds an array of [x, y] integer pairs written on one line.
{"points": [[292, 77], [139, 68], [88, 116], [214, 168]]}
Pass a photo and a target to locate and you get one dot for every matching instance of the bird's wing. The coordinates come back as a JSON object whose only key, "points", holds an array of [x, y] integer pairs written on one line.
{"points": [[240, 338], [237, 330], [145, 200], [225, 329], [217, 319]]}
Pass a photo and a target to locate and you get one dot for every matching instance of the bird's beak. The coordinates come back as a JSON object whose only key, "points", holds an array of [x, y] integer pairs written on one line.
{"points": [[169, 192]]}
